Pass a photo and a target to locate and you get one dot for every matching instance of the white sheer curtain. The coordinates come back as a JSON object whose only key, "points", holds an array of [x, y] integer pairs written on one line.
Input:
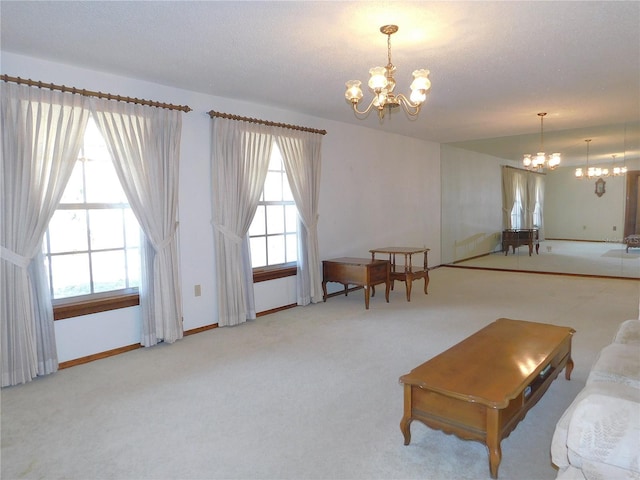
{"points": [[240, 156], [511, 179], [145, 145], [539, 199], [42, 131], [301, 155], [529, 187]]}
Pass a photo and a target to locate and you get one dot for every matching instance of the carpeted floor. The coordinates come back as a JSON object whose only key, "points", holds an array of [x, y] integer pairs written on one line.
{"points": [[307, 393], [561, 256]]}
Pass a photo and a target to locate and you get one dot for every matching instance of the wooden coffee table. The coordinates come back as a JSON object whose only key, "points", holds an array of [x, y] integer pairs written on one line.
{"points": [[482, 387]]}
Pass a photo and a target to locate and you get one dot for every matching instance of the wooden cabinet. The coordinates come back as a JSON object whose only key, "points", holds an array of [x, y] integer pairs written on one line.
{"points": [[516, 237], [356, 271]]}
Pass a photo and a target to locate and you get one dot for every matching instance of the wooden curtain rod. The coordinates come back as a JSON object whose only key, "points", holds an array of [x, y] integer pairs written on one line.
{"points": [[89, 93], [213, 113], [524, 170]]}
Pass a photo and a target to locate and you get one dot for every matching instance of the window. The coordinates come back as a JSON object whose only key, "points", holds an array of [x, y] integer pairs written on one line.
{"points": [[92, 244], [517, 211], [273, 232]]}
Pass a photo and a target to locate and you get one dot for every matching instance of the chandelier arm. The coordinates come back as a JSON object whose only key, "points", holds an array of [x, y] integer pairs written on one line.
{"points": [[411, 108], [364, 112]]}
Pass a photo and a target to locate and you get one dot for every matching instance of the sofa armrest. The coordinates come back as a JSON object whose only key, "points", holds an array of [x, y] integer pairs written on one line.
{"points": [[559, 441], [603, 434]]}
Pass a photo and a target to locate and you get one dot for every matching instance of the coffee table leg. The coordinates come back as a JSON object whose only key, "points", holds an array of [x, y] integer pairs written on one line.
{"points": [[405, 423], [493, 441], [366, 296], [568, 369]]}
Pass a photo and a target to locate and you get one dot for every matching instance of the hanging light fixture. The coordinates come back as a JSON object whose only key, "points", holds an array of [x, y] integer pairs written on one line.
{"points": [[540, 160], [599, 172], [587, 171], [382, 84], [618, 171]]}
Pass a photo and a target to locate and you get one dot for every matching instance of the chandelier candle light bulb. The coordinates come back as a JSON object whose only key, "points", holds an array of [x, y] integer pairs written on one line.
{"points": [[382, 83]]}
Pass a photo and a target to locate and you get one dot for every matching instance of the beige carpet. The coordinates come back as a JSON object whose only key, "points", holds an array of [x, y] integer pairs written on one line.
{"points": [[583, 258], [308, 393]]}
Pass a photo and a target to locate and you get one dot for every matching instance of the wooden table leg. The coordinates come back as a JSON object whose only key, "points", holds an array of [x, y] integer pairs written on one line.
{"points": [[493, 441], [405, 423], [568, 368], [366, 296], [408, 281]]}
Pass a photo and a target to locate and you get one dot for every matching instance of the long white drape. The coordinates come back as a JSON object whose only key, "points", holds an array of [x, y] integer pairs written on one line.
{"points": [[529, 187], [42, 131], [145, 145], [301, 154], [239, 162], [540, 189], [511, 179]]}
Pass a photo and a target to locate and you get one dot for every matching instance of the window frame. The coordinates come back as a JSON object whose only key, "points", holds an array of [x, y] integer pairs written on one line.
{"points": [[270, 272], [96, 302]]}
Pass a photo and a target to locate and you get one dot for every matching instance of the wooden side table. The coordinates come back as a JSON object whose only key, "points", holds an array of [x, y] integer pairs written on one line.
{"points": [[406, 273], [356, 271]]}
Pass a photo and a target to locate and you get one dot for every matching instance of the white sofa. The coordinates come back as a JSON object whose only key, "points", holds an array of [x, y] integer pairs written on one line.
{"points": [[598, 436]]}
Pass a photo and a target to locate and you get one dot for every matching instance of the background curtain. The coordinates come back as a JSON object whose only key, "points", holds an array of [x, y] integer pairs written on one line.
{"points": [[145, 145], [240, 155], [539, 186], [510, 180], [42, 131], [301, 155]]}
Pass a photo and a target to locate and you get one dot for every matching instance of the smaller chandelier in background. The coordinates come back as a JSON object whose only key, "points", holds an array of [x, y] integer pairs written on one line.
{"points": [[599, 172], [382, 84], [540, 160]]}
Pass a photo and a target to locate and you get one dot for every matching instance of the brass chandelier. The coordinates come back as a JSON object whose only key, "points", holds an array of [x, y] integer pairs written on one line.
{"points": [[540, 160], [382, 84], [599, 172]]}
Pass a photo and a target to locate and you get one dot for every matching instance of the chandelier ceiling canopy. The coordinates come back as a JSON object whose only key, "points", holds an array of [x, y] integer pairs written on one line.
{"points": [[540, 160], [382, 84]]}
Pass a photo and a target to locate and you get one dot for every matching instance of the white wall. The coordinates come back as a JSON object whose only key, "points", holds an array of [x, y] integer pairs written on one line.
{"points": [[471, 203], [377, 190]]}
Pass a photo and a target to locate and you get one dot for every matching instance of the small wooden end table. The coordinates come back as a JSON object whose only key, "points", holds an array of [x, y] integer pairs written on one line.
{"points": [[482, 387], [356, 271], [406, 273]]}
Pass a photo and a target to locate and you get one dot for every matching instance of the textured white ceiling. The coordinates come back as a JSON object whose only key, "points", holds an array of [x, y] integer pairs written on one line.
{"points": [[494, 64]]}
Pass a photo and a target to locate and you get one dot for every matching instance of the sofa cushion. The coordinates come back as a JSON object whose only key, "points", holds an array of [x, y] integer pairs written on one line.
{"points": [[617, 363], [629, 332]]}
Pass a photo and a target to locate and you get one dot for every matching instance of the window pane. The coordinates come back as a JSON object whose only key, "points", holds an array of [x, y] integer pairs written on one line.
{"points": [[275, 247], [287, 196], [258, 249], [275, 219], [103, 185], [108, 271], [133, 267], [71, 276], [291, 213], [258, 226], [106, 229], [292, 248], [132, 234], [68, 231], [74, 191], [95, 146], [273, 187]]}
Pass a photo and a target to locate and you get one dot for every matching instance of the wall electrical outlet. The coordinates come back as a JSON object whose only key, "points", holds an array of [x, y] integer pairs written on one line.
{"points": [[197, 290]]}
